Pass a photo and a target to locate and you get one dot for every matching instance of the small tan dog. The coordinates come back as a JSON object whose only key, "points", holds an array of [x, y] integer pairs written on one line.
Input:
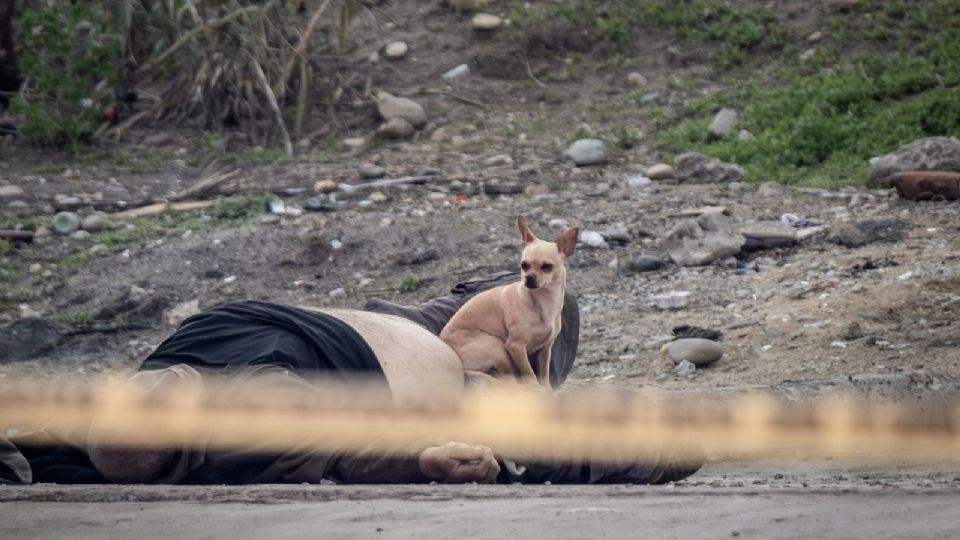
{"points": [[495, 331]]}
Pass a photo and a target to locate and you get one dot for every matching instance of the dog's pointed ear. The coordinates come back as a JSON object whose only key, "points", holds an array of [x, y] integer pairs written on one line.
{"points": [[525, 234], [567, 242]]}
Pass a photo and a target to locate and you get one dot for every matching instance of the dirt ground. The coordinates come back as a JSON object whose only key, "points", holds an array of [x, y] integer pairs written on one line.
{"points": [[810, 311], [726, 500]]}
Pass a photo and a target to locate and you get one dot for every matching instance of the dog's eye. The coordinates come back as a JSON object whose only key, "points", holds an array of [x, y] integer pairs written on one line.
{"points": [[547, 267], [524, 266]]}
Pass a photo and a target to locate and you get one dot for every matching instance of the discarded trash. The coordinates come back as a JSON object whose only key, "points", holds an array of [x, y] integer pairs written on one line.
{"points": [[928, 185], [685, 369], [638, 182], [796, 221], [672, 299], [456, 73]]}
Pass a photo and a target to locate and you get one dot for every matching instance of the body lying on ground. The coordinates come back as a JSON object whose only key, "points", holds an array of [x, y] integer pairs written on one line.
{"points": [[256, 345]]}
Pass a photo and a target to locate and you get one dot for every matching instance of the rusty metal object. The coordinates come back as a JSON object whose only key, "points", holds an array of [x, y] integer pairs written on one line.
{"points": [[928, 185], [17, 236]]}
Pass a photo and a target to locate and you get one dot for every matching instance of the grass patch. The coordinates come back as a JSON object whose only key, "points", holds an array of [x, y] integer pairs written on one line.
{"points": [[733, 32], [409, 284], [821, 128]]}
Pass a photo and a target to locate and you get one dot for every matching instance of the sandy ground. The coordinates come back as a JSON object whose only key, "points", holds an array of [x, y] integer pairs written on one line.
{"points": [[760, 500]]}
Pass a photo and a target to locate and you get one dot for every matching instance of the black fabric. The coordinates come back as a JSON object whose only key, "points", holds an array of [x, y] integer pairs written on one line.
{"points": [[434, 315], [243, 334], [61, 464]]}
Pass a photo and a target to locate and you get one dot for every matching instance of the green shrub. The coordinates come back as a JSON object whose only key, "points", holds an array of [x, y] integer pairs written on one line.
{"points": [[67, 57]]}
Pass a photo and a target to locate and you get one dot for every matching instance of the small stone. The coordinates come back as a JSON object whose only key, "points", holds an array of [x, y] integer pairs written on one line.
{"points": [[269, 219], [336, 244], [64, 202], [374, 57], [808, 55], [9, 192], [378, 197], [325, 186], [99, 248], [698, 351], [396, 128], [745, 136], [558, 223], [586, 152], [592, 239], [456, 73], [370, 171], [815, 37], [354, 144], [66, 222], [685, 369], [660, 171], [36, 268], [427, 171], [391, 107], [436, 196], [670, 300], [649, 98], [396, 50], [339, 292], [98, 221], [636, 79], [852, 332], [27, 312], [485, 22], [500, 159], [180, 312], [438, 134], [42, 232], [723, 123], [638, 182], [319, 203], [79, 235], [645, 263]]}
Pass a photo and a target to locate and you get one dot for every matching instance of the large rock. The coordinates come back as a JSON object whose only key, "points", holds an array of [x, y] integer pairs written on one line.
{"points": [[586, 152], [29, 338], [698, 351], [862, 233], [698, 168], [702, 241], [391, 106], [723, 123], [930, 154], [767, 234], [396, 128]]}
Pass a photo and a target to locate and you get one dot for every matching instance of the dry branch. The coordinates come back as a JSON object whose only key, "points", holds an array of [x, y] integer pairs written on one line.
{"points": [[280, 87], [274, 106]]}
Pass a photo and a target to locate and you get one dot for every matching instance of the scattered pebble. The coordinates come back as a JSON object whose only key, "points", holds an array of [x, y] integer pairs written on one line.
{"points": [[370, 171], [339, 292], [660, 171], [586, 152], [670, 300], [645, 263], [638, 182], [456, 73], [497, 160], [10, 191], [592, 239], [685, 369], [396, 50], [485, 22], [325, 186], [636, 78]]}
